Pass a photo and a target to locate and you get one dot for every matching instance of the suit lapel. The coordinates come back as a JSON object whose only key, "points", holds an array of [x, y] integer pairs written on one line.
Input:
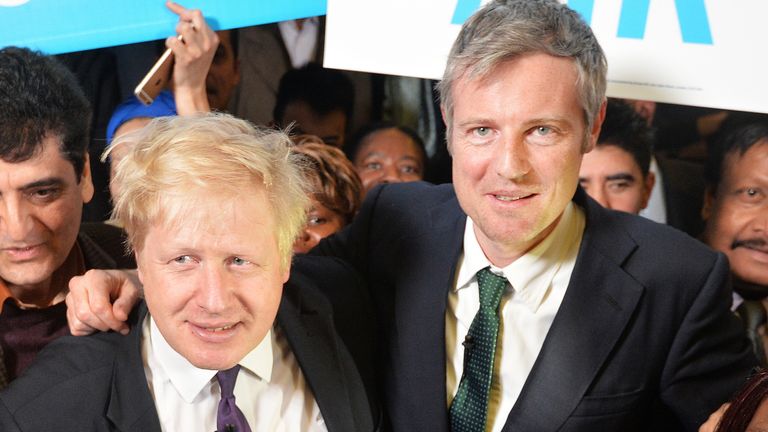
{"points": [[418, 349], [307, 322], [130, 406], [575, 348]]}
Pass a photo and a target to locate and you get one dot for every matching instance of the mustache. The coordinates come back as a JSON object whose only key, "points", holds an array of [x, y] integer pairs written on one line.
{"points": [[753, 243]]}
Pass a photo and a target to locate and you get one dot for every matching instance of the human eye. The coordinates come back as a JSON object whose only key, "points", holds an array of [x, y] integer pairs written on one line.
{"points": [[481, 131], [183, 259], [372, 166], [751, 194], [45, 194], [543, 134], [316, 220], [238, 261], [410, 169], [619, 186], [542, 130]]}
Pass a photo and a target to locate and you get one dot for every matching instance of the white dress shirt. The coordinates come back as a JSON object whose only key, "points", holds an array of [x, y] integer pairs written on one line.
{"points": [[270, 389], [300, 44], [538, 281]]}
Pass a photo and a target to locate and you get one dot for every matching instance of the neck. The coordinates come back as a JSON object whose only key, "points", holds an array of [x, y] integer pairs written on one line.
{"points": [[39, 295], [503, 254]]}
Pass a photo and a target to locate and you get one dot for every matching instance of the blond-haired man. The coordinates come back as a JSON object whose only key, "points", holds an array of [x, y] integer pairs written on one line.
{"points": [[212, 206]]}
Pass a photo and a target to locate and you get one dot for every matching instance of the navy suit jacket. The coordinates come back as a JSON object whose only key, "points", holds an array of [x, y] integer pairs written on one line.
{"points": [[643, 340], [97, 383]]}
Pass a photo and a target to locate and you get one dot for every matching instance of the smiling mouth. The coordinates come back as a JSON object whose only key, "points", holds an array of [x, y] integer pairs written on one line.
{"points": [[217, 329], [508, 198]]}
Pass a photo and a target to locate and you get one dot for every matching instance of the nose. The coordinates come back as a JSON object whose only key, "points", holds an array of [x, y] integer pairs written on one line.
{"points": [[512, 159], [214, 295], [391, 175], [760, 222], [598, 194], [17, 220]]}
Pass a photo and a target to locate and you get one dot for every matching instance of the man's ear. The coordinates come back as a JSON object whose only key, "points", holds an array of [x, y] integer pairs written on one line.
{"points": [[708, 204], [86, 181], [594, 133], [448, 129], [650, 180], [287, 272]]}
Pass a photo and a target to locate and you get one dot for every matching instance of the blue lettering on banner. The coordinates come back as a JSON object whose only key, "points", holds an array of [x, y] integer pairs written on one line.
{"points": [[691, 14], [464, 9]]}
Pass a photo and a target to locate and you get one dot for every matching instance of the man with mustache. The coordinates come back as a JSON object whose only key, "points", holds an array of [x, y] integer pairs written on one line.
{"points": [[736, 214]]}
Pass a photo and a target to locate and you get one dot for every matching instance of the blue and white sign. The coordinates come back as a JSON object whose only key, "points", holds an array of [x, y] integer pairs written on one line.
{"points": [[58, 26], [693, 52]]}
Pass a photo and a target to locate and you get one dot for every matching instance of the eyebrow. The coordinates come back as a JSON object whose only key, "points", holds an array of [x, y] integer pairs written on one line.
{"points": [[50, 181], [620, 176]]}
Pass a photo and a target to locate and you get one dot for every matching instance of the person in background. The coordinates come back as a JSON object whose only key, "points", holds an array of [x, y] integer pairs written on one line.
{"points": [[335, 195], [317, 102], [746, 412], [615, 173], [387, 153], [45, 179], [736, 214]]}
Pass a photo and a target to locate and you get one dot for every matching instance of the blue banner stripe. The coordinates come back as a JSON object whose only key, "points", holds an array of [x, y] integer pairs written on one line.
{"points": [[58, 26], [634, 15], [584, 8], [464, 9], [694, 23]]}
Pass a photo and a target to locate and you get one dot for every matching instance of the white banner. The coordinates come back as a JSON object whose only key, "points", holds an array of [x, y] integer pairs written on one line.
{"points": [[710, 53]]}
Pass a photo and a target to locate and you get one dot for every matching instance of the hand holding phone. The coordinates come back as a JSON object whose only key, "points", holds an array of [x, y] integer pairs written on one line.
{"points": [[156, 79]]}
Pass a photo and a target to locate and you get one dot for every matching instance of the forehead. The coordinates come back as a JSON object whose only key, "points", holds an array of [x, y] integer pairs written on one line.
{"points": [[47, 162], [753, 163], [217, 215], [225, 39], [535, 85], [391, 139], [612, 158]]}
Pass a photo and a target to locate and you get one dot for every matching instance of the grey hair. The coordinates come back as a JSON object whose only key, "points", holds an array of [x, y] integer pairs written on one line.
{"points": [[507, 29]]}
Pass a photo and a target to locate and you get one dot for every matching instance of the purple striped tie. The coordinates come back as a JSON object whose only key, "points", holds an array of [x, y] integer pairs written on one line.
{"points": [[229, 418]]}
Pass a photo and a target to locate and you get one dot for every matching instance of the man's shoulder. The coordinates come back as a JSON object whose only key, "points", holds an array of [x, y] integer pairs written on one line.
{"points": [[417, 201], [323, 278], [656, 254], [64, 369], [103, 246]]}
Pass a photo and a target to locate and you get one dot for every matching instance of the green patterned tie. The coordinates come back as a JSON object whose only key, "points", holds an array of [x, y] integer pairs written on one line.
{"points": [[469, 409]]}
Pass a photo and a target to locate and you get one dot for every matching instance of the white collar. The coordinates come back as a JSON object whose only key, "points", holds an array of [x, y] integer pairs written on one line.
{"points": [[189, 380], [530, 275]]}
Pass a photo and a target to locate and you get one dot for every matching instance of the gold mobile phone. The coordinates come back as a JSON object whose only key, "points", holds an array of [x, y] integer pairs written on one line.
{"points": [[156, 79]]}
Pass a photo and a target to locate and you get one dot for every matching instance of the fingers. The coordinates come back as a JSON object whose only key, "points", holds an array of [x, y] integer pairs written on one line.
{"points": [[89, 306], [714, 419]]}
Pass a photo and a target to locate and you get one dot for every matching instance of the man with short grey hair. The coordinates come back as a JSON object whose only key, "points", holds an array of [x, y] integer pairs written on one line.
{"points": [[512, 301]]}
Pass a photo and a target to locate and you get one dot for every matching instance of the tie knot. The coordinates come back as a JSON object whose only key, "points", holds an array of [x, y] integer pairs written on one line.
{"points": [[491, 288], [227, 380]]}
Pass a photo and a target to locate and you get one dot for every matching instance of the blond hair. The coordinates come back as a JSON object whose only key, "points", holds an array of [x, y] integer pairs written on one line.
{"points": [[213, 153]]}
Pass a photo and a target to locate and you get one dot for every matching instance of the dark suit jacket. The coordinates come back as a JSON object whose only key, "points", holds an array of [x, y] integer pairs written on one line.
{"points": [[643, 340], [97, 383]]}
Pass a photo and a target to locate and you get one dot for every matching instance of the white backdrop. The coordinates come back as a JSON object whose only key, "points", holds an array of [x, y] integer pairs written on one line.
{"points": [[413, 37]]}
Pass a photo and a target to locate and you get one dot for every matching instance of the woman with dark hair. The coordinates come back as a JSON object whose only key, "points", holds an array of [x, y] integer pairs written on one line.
{"points": [[747, 411], [336, 191]]}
